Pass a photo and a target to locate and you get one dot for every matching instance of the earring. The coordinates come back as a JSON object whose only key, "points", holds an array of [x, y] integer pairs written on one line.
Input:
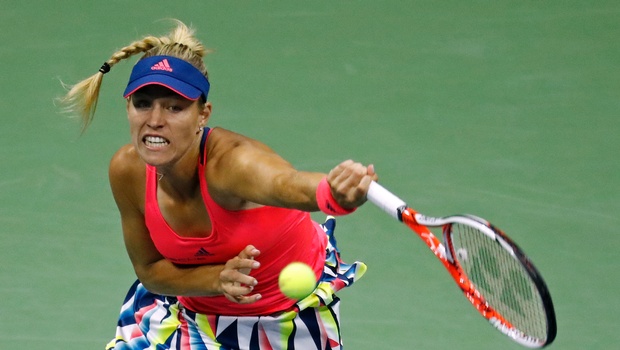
{"points": [[199, 130]]}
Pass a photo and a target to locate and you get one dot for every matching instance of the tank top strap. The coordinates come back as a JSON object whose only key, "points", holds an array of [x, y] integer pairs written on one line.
{"points": [[203, 146]]}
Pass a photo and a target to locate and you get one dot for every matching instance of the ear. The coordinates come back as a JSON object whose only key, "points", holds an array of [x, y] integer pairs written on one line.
{"points": [[205, 114]]}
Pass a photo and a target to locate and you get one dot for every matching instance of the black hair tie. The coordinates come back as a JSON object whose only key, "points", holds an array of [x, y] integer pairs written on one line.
{"points": [[105, 68]]}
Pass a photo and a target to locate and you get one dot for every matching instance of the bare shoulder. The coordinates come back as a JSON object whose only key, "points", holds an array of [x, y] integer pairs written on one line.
{"points": [[127, 174], [220, 135], [222, 141], [126, 162], [235, 161]]}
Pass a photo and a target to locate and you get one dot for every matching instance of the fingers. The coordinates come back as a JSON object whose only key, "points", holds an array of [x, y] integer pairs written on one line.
{"points": [[237, 270], [240, 294], [349, 182], [242, 299], [371, 176], [249, 252], [372, 173], [235, 279]]}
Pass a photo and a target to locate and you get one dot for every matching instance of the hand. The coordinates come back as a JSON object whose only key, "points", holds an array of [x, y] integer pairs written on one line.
{"points": [[349, 182], [235, 281]]}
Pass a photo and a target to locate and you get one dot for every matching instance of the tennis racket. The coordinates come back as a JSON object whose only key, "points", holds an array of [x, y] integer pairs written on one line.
{"points": [[492, 271]]}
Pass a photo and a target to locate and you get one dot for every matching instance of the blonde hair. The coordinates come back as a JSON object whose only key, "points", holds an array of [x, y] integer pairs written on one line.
{"points": [[81, 99]]}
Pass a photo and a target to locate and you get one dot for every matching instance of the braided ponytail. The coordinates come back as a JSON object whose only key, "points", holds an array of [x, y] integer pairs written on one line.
{"points": [[81, 99]]}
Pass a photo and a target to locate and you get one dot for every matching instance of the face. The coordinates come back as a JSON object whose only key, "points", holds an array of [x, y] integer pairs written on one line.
{"points": [[164, 125]]}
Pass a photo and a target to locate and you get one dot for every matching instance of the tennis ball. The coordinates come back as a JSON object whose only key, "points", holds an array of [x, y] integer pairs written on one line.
{"points": [[297, 280]]}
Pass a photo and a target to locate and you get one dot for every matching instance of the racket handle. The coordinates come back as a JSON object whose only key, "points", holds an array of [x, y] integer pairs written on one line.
{"points": [[385, 200]]}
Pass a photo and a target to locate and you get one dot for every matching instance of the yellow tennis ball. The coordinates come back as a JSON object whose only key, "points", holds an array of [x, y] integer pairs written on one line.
{"points": [[297, 280]]}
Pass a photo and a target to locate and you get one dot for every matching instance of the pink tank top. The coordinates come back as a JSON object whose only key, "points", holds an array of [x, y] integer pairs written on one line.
{"points": [[282, 236]]}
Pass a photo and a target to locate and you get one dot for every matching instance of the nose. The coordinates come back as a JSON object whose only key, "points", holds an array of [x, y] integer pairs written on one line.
{"points": [[156, 117]]}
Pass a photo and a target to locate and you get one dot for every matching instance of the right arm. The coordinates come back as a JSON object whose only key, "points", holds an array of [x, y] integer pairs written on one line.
{"points": [[127, 180], [242, 168]]}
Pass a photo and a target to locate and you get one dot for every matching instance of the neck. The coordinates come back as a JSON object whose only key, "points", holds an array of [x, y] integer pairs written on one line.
{"points": [[180, 182], [181, 178]]}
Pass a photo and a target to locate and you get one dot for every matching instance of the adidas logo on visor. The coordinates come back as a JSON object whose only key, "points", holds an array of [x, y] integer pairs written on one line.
{"points": [[162, 65]]}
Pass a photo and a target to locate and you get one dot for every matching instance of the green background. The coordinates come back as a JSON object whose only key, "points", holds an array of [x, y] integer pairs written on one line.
{"points": [[504, 109]]}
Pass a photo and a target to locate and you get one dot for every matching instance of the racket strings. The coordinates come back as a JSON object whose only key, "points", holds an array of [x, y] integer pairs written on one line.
{"points": [[501, 279]]}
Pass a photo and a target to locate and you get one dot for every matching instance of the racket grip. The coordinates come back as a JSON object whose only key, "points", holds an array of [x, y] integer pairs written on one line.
{"points": [[385, 200]]}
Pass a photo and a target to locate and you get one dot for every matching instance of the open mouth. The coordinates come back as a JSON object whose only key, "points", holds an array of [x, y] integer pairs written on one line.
{"points": [[155, 141]]}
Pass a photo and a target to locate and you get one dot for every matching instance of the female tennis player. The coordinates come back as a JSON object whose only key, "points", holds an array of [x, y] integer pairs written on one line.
{"points": [[211, 217]]}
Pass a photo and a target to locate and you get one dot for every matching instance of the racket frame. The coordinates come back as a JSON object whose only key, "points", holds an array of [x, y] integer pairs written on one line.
{"points": [[420, 224]]}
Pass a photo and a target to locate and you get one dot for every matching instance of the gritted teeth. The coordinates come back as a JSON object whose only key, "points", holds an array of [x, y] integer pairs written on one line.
{"points": [[155, 141]]}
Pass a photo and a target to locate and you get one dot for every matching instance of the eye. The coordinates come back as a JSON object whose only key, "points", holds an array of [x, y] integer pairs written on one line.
{"points": [[177, 105], [140, 103], [175, 108]]}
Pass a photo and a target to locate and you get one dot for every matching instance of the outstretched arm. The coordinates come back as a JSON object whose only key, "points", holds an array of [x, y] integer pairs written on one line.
{"points": [[244, 169]]}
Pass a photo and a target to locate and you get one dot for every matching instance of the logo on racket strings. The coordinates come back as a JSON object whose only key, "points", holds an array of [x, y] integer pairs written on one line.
{"points": [[502, 284]]}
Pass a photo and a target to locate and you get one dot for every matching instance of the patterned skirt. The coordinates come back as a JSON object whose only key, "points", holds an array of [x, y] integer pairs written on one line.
{"points": [[151, 321]]}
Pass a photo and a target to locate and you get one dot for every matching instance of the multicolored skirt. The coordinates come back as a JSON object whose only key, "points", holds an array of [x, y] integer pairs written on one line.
{"points": [[151, 321]]}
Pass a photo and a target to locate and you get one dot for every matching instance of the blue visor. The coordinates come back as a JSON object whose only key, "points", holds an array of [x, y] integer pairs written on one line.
{"points": [[171, 72]]}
